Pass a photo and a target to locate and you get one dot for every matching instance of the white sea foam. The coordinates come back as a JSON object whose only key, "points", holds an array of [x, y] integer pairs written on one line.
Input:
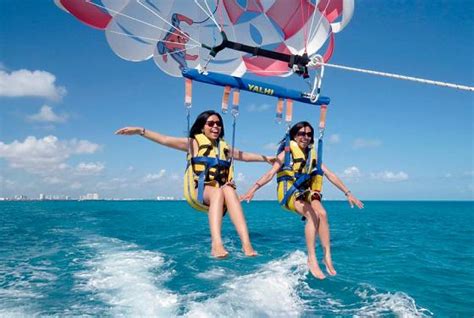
{"points": [[398, 303], [15, 313], [270, 292], [21, 291], [214, 273], [128, 279], [17, 293]]}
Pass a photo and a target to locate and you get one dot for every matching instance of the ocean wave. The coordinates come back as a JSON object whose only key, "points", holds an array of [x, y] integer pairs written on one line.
{"points": [[128, 279], [23, 286], [374, 303], [15, 313], [213, 273], [271, 291]]}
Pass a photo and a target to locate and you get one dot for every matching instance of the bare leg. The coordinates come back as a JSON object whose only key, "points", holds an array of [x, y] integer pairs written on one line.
{"points": [[305, 209], [324, 235], [214, 198], [234, 207]]}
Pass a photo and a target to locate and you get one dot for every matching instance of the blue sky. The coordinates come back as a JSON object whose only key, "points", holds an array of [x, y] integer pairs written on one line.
{"points": [[387, 139]]}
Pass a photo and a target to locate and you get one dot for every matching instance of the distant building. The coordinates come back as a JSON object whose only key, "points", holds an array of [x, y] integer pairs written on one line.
{"points": [[41, 197], [165, 198], [89, 196]]}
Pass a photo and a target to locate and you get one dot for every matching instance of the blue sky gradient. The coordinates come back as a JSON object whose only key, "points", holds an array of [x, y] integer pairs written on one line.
{"points": [[387, 139]]}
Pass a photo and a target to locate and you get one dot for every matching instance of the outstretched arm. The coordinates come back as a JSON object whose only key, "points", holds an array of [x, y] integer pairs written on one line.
{"points": [[251, 157], [179, 143], [340, 185], [265, 178]]}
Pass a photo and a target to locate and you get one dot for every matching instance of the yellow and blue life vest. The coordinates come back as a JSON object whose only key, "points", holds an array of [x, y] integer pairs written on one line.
{"points": [[300, 172], [211, 166]]}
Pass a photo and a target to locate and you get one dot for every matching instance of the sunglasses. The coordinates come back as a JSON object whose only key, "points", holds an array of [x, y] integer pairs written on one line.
{"points": [[302, 134], [212, 123]]}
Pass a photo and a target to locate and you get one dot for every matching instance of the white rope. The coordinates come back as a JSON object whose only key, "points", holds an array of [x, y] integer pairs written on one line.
{"points": [[151, 39], [166, 21], [209, 14], [141, 21], [178, 51], [401, 77]]}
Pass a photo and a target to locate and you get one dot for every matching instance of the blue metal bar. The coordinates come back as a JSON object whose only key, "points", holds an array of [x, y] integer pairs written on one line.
{"points": [[252, 86]]}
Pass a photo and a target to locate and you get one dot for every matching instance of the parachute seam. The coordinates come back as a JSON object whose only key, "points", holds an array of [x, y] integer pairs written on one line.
{"points": [[313, 33]]}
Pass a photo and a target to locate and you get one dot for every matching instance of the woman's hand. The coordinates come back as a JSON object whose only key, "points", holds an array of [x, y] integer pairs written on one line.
{"points": [[248, 196], [354, 201], [130, 131]]}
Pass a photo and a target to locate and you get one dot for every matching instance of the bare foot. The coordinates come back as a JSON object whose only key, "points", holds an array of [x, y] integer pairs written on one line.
{"points": [[315, 270], [219, 252], [249, 251], [329, 267]]}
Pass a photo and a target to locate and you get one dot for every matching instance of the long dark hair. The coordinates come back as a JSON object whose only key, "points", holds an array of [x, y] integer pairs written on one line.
{"points": [[296, 127], [293, 131], [200, 121]]}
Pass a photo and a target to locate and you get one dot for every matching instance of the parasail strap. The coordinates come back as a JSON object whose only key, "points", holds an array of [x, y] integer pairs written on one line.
{"points": [[235, 113], [322, 126], [289, 111], [225, 99], [188, 97], [279, 110]]}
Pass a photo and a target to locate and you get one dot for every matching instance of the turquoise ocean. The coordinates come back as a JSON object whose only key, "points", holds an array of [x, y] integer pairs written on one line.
{"points": [[151, 259]]}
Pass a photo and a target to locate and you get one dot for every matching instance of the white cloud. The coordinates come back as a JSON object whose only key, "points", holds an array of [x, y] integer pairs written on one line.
{"points": [[90, 168], [24, 83], [75, 186], [154, 177], [334, 139], [45, 155], [47, 115], [389, 176], [258, 108], [7, 183], [469, 173], [53, 180], [366, 143], [115, 184], [352, 173]]}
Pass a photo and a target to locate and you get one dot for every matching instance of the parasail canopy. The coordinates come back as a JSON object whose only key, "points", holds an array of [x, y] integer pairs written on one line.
{"points": [[181, 34]]}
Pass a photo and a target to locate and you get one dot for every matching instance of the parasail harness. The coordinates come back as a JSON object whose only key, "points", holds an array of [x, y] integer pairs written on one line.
{"points": [[210, 163], [301, 172]]}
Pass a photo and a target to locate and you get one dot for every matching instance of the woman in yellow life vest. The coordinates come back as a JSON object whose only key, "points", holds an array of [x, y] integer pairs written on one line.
{"points": [[209, 175], [299, 190]]}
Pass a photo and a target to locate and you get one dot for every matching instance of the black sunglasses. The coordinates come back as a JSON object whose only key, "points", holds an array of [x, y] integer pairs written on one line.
{"points": [[212, 123], [302, 134]]}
